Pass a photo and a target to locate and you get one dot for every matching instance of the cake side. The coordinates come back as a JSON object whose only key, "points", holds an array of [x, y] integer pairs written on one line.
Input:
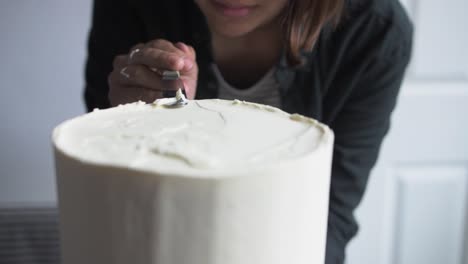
{"points": [[111, 215]]}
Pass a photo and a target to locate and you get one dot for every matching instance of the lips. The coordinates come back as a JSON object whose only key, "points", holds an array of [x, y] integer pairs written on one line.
{"points": [[233, 9]]}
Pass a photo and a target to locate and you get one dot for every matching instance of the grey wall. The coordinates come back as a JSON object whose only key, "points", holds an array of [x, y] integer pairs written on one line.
{"points": [[42, 51]]}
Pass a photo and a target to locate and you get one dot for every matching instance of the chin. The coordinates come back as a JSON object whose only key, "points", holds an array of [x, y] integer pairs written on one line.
{"points": [[233, 31], [233, 28]]}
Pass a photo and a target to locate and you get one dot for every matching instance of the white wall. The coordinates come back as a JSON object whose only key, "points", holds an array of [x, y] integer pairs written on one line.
{"points": [[42, 51]]}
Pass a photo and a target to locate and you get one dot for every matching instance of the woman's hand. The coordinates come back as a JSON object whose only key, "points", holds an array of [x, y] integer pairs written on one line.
{"points": [[135, 76]]}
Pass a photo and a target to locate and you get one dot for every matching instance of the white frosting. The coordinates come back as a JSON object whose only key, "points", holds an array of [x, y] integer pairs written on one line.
{"points": [[178, 100], [204, 135], [180, 95], [213, 182]]}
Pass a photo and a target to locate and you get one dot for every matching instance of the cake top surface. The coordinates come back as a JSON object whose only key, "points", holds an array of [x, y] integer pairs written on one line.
{"points": [[205, 135]]}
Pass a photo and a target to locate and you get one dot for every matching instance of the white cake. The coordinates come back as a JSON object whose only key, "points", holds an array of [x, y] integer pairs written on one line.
{"points": [[213, 182]]}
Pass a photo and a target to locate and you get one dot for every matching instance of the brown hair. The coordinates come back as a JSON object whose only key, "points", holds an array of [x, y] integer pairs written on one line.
{"points": [[304, 20]]}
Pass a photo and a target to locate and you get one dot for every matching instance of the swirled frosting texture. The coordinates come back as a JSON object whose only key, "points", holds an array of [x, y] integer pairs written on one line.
{"points": [[203, 135]]}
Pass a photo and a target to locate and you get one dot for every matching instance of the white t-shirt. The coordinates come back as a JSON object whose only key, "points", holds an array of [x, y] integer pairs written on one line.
{"points": [[265, 91]]}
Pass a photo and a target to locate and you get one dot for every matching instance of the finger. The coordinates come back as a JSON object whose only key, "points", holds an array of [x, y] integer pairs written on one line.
{"points": [[181, 46], [187, 49], [189, 53], [141, 76], [158, 44], [120, 61], [157, 58], [163, 44]]}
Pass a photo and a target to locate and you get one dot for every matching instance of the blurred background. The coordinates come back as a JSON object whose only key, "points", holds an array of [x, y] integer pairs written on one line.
{"points": [[414, 210]]}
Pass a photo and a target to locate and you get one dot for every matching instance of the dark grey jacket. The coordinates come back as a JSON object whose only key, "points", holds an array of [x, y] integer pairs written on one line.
{"points": [[350, 81]]}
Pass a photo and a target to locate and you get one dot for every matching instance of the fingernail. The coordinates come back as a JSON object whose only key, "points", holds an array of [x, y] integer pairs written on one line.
{"points": [[188, 64]]}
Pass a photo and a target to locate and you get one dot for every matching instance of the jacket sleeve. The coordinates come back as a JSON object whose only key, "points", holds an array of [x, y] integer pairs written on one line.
{"points": [[115, 29], [370, 85]]}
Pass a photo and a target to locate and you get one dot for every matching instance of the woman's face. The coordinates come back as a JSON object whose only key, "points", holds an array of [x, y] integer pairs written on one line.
{"points": [[235, 18]]}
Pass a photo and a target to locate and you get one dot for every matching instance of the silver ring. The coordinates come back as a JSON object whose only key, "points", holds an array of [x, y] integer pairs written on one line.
{"points": [[124, 73], [134, 52]]}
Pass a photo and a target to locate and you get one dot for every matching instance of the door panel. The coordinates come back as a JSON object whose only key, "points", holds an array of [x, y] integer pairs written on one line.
{"points": [[430, 213], [414, 209], [421, 174]]}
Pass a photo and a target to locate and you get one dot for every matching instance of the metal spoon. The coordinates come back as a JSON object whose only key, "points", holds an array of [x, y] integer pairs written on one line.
{"points": [[179, 95]]}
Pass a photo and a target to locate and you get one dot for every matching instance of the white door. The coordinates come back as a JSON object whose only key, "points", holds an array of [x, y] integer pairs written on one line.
{"points": [[414, 210]]}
